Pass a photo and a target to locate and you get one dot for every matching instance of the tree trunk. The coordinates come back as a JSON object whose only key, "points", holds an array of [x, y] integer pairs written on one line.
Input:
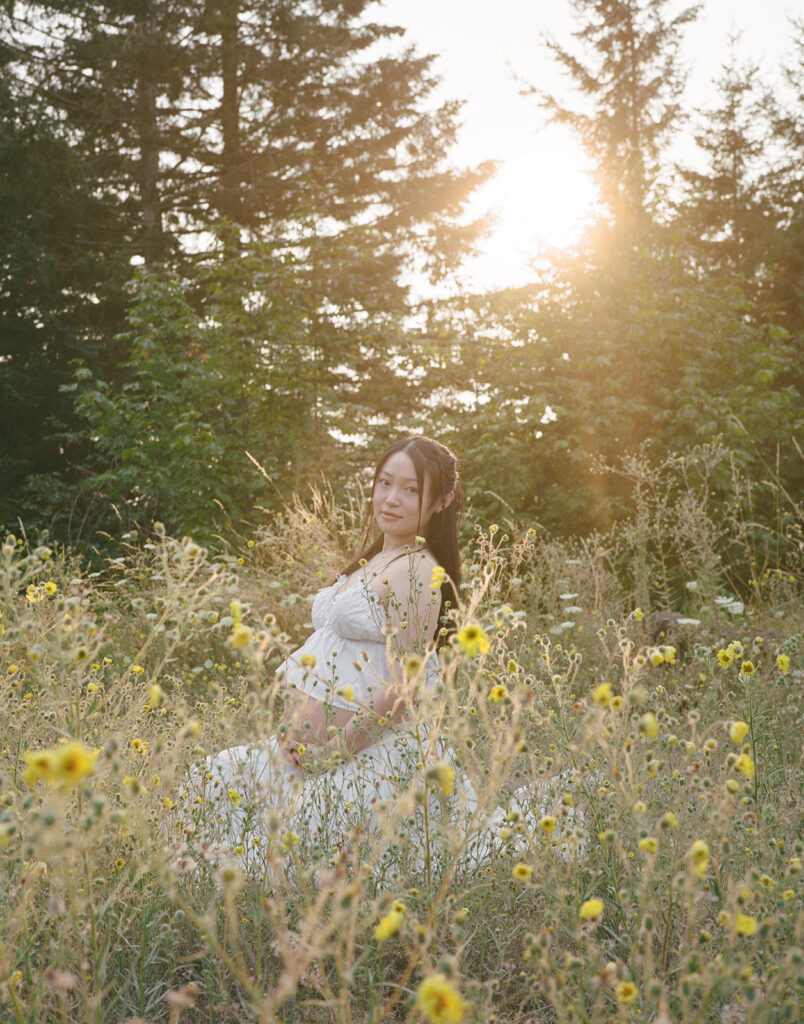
{"points": [[148, 131], [230, 111]]}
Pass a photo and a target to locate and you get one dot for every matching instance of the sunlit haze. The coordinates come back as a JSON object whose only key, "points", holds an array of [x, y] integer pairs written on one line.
{"points": [[487, 52]]}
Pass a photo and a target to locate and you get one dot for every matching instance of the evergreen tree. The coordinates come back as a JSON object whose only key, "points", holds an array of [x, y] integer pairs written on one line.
{"points": [[306, 126], [784, 185], [62, 266], [723, 208], [630, 75]]}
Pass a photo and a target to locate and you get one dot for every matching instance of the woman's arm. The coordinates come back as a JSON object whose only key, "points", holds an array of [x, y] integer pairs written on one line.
{"points": [[412, 610], [387, 709]]}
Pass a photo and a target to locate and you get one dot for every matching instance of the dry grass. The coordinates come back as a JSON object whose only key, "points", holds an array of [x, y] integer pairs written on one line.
{"points": [[116, 908]]}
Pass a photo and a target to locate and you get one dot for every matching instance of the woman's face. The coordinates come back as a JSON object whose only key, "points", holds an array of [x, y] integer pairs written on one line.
{"points": [[397, 502]]}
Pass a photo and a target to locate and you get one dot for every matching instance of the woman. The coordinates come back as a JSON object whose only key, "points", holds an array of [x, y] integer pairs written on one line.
{"points": [[355, 748], [381, 609], [343, 745]]}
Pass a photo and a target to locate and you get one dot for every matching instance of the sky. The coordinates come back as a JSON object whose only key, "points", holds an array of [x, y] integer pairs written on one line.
{"points": [[542, 193]]}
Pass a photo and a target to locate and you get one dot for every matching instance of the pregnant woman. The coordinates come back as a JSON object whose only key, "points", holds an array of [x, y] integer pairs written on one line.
{"points": [[347, 742], [357, 751]]}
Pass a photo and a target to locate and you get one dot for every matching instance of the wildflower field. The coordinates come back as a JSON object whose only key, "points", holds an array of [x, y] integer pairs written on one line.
{"points": [[644, 686]]}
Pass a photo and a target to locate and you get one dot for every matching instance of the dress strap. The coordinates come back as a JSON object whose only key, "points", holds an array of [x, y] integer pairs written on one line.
{"points": [[405, 554]]}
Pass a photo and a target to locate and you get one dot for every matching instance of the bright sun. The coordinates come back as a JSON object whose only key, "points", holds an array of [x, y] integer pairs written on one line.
{"points": [[543, 197]]}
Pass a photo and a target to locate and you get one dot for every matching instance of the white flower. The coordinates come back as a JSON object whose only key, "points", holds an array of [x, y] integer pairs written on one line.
{"points": [[692, 585], [567, 597]]}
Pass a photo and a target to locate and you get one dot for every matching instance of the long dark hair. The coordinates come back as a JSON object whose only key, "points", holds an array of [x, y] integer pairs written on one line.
{"points": [[435, 463]]}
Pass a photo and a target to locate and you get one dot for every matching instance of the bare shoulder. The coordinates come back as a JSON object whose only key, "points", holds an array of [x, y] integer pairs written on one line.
{"points": [[408, 574]]}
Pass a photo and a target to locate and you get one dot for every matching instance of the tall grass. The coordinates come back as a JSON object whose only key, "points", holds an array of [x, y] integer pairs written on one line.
{"points": [[650, 680]]}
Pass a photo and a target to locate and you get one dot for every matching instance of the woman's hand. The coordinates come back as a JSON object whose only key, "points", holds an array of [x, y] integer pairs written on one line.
{"points": [[290, 749]]}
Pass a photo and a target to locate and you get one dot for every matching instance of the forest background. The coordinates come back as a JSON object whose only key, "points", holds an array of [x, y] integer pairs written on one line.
{"points": [[235, 227], [233, 251]]}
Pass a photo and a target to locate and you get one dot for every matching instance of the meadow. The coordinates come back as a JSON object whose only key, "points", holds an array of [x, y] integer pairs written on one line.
{"points": [[649, 679]]}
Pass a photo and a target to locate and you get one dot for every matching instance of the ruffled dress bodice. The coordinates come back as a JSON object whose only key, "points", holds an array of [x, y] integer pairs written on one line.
{"points": [[349, 646]]}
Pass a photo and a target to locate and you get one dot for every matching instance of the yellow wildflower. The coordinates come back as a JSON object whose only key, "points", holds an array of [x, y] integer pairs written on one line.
{"points": [[548, 824], [156, 696], [389, 925], [521, 872], [738, 731], [698, 857], [649, 844], [736, 649], [601, 695], [745, 925], [39, 765], [72, 763], [747, 668], [591, 909], [655, 657], [638, 614], [439, 1001], [308, 660], [724, 659], [669, 654], [51, 588], [437, 577], [649, 726], [473, 641], [444, 775], [289, 840], [745, 766], [783, 663], [240, 636], [412, 664], [347, 692], [626, 992], [669, 820], [235, 799], [498, 693]]}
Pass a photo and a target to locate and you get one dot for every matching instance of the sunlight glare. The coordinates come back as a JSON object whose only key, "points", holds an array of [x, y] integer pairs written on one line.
{"points": [[543, 198]]}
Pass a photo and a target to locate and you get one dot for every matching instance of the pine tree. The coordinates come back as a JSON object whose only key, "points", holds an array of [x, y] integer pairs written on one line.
{"points": [[723, 208], [784, 186], [296, 129], [630, 75], [62, 268]]}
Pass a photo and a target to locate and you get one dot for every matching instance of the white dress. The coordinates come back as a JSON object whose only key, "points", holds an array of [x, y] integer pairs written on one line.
{"points": [[249, 796], [349, 647]]}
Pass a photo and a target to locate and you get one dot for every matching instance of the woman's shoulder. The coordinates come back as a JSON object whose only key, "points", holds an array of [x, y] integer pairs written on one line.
{"points": [[413, 566]]}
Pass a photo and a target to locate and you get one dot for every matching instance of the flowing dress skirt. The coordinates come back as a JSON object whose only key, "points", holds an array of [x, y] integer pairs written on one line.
{"points": [[398, 795]]}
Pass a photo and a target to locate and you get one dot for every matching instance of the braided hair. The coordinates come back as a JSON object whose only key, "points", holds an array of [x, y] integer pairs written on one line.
{"points": [[435, 463]]}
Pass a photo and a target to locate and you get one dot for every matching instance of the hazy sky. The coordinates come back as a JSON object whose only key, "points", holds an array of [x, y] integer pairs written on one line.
{"points": [[542, 192]]}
